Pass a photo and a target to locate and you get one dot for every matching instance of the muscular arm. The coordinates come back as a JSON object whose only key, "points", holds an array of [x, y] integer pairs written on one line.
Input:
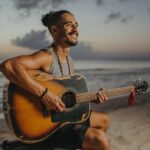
{"points": [[16, 71]]}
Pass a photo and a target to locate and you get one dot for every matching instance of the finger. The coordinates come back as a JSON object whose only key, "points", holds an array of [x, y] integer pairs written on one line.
{"points": [[100, 98], [58, 107], [48, 106], [50, 102], [101, 93], [61, 102], [53, 99], [49, 99], [55, 102], [105, 97]]}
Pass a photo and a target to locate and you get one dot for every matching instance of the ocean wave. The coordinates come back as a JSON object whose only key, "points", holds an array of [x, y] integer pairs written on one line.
{"points": [[108, 69], [112, 72]]}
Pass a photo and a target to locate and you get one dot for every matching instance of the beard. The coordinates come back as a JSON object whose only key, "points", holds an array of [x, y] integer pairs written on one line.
{"points": [[71, 43], [67, 40]]}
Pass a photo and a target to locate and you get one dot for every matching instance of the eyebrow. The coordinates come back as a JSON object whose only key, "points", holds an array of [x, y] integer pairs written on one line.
{"points": [[70, 22]]}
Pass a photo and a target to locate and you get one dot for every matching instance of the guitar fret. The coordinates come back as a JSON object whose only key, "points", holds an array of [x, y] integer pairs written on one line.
{"points": [[90, 96]]}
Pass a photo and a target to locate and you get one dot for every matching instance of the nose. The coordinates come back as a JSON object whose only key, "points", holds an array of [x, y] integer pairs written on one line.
{"points": [[75, 28]]}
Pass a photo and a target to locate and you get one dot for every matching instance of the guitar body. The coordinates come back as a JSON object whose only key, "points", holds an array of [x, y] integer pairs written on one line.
{"points": [[28, 117]]}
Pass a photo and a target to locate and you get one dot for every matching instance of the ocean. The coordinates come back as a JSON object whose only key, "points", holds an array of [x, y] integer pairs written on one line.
{"points": [[106, 73]]}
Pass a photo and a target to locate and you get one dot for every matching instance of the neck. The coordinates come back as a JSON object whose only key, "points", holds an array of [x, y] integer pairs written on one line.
{"points": [[90, 96], [60, 50]]}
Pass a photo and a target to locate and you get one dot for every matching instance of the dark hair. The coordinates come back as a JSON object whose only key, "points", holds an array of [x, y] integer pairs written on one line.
{"points": [[53, 17]]}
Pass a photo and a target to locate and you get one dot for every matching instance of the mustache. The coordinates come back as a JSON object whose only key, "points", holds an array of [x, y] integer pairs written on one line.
{"points": [[70, 33]]}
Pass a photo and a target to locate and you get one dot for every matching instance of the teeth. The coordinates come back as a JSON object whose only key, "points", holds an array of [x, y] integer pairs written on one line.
{"points": [[74, 35]]}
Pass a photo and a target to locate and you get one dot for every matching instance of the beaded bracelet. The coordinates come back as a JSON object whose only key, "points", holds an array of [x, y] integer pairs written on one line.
{"points": [[45, 91]]}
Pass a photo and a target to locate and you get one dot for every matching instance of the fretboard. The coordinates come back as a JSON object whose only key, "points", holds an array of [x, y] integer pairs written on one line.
{"points": [[90, 96]]}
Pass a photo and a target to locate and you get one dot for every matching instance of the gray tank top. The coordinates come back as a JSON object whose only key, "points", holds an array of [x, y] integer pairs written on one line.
{"points": [[55, 68]]}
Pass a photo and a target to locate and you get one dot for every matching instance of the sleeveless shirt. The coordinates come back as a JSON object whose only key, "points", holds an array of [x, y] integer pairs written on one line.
{"points": [[55, 68]]}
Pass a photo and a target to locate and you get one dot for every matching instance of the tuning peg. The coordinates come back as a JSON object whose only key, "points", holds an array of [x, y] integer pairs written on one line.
{"points": [[140, 86]]}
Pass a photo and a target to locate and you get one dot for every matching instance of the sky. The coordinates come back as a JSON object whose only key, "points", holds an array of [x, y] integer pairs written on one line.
{"points": [[108, 28]]}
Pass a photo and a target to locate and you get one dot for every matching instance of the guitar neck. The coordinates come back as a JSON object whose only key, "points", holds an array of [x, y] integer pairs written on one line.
{"points": [[90, 96]]}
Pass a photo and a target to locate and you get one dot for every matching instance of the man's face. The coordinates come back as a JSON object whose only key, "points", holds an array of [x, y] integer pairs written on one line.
{"points": [[68, 30]]}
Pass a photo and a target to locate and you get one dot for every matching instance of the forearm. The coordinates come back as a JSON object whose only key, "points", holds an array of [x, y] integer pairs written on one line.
{"points": [[18, 74]]}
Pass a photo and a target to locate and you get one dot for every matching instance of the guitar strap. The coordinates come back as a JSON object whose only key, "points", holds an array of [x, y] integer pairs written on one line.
{"points": [[60, 69], [60, 66]]}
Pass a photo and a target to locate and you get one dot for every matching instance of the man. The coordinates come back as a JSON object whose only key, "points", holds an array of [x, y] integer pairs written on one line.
{"points": [[55, 60]]}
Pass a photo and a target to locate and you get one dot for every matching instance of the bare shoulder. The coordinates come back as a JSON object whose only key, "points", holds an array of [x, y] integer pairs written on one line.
{"points": [[42, 58], [37, 60], [42, 52]]}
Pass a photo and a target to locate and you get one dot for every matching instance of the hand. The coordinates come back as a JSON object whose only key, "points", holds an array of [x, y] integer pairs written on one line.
{"points": [[53, 102], [101, 97]]}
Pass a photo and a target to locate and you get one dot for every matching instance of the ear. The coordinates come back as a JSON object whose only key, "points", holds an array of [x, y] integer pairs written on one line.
{"points": [[53, 29]]}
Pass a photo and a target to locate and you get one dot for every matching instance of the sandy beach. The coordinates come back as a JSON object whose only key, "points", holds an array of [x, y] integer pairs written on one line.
{"points": [[130, 126]]}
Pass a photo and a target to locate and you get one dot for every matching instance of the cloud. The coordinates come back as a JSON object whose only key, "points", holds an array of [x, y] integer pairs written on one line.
{"points": [[118, 16], [33, 40], [113, 16], [126, 19], [100, 2], [84, 51], [26, 4], [29, 5]]}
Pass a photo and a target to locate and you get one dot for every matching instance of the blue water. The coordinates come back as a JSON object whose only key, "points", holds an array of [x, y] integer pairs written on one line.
{"points": [[106, 74]]}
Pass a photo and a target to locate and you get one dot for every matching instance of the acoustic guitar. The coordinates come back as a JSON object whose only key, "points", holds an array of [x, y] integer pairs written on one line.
{"points": [[28, 117]]}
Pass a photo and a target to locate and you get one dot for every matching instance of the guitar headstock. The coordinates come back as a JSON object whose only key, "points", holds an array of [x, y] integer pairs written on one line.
{"points": [[140, 86]]}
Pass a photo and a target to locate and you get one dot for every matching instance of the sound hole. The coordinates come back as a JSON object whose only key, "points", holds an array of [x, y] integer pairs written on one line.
{"points": [[69, 99]]}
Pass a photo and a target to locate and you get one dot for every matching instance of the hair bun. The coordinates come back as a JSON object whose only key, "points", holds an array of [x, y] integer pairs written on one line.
{"points": [[45, 20]]}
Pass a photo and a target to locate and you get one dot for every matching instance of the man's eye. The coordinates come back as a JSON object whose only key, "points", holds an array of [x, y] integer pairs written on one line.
{"points": [[68, 24]]}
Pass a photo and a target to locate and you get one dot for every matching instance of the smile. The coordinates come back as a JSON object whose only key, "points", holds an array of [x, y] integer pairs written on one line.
{"points": [[74, 35]]}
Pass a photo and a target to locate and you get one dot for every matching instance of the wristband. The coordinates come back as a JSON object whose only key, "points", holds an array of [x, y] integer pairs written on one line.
{"points": [[45, 91]]}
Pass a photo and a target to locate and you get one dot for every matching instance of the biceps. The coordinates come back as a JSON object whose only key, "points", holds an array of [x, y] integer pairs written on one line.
{"points": [[25, 61], [34, 61]]}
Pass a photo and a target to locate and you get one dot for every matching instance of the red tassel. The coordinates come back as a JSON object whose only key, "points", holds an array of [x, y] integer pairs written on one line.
{"points": [[132, 99]]}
